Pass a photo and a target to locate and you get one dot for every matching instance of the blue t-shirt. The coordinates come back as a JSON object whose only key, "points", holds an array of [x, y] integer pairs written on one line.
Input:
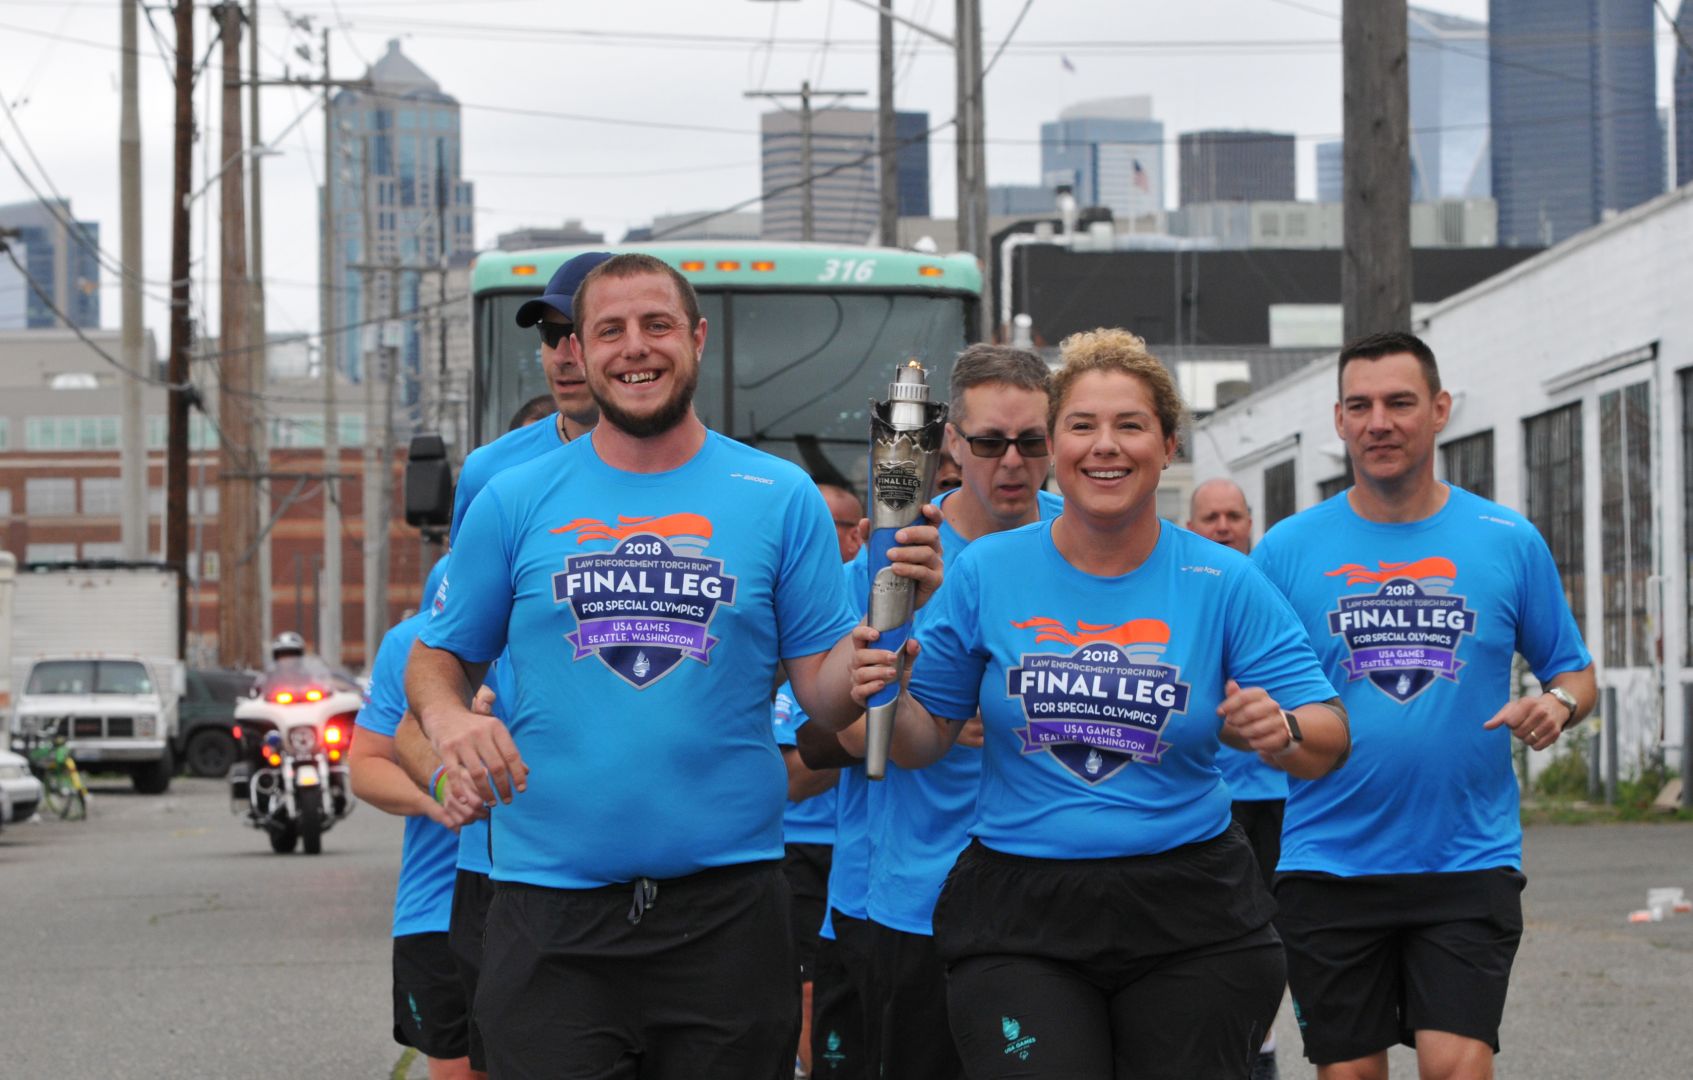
{"points": [[813, 820], [1249, 779], [485, 462], [1099, 695], [923, 819], [1416, 624], [645, 614], [423, 900], [473, 837]]}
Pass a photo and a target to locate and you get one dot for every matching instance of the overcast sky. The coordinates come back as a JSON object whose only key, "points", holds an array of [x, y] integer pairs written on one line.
{"points": [[1271, 64]]}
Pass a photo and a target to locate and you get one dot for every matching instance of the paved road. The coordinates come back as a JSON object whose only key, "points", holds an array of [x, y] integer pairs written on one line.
{"points": [[162, 937]]}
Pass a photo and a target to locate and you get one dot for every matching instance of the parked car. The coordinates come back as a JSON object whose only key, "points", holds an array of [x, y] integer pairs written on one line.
{"points": [[20, 789], [207, 744]]}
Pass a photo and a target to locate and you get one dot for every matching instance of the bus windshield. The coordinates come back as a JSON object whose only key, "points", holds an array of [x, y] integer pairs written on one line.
{"points": [[791, 372]]}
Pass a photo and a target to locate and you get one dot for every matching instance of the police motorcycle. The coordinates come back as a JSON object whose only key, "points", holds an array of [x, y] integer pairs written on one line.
{"points": [[291, 779]]}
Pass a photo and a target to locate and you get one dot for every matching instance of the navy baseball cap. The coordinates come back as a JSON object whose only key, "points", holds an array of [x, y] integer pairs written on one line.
{"points": [[561, 289]]}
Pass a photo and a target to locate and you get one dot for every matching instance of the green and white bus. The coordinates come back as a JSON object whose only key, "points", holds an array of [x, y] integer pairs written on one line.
{"points": [[800, 337]]}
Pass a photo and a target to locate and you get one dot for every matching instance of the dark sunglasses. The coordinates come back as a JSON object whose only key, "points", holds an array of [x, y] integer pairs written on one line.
{"points": [[554, 332], [992, 446]]}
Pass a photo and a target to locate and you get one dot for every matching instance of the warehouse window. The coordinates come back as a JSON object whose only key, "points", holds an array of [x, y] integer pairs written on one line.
{"points": [[1554, 491]]}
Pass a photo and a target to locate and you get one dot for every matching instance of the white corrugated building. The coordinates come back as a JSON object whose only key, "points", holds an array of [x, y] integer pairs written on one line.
{"points": [[1572, 383]]}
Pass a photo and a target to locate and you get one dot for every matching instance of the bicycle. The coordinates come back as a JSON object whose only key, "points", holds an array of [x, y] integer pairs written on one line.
{"points": [[63, 791]]}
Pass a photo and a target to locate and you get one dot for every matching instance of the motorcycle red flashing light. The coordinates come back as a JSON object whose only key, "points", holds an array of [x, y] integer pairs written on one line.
{"points": [[283, 697], [335, 755], [332, 734], [235, 732], [274, 758], [314, 694]]}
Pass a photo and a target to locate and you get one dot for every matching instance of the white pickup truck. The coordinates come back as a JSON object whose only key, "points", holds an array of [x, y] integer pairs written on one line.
{"points": [[90, 657]]}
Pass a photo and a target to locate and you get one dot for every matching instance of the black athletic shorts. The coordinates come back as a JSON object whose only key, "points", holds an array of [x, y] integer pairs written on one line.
{"points": [[807, 869], [472, 892], [1159, 967], [846, 1028], [430, 1012], [1261, 821], [1373, 960], [912, 989], [676, 979]]}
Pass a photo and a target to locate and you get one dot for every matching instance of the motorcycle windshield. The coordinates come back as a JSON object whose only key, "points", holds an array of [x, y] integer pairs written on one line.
{"points": [[295, 675]]}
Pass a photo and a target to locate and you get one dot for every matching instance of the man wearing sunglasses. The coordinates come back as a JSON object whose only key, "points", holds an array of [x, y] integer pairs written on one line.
{"points": [[916, 821], [550, 314]]}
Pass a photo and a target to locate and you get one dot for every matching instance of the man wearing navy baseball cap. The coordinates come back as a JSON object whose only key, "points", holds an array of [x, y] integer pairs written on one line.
{"points": [[577, 413]]}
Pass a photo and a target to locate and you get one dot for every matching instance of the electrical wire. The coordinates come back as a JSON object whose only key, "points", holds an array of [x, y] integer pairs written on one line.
{"points": [[46, 299]]}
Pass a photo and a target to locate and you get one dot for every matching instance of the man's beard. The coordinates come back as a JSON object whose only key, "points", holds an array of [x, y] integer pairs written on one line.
{"points": [[670, 413]]}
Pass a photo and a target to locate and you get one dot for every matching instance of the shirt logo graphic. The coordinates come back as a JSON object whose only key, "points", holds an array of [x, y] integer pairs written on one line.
{"points": [[646, 605], [1105, 704], [1407, 632]]}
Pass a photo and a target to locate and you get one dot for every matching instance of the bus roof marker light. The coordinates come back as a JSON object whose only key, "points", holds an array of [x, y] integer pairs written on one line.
{"points": [[763, 266], [523, 270], [693, 266], [929, 270], [728, 264]]}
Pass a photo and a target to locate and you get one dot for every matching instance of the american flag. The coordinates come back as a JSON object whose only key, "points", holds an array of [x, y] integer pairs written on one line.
{"points": [[1142, 181]]}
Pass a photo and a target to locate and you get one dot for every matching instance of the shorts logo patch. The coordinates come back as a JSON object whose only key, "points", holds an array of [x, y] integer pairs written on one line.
{"points": [[1406, 633], [647, 604], [832, 1049], [1102, 706], [1015, 1041]]}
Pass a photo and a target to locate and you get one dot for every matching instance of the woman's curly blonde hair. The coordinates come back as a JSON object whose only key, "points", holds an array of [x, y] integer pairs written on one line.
{"points": [[1109, 350]]}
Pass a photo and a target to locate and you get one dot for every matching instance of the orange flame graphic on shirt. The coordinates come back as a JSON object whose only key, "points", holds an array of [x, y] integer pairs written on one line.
{"points": [[669, 526], [1135, 632], [1433, 566]]}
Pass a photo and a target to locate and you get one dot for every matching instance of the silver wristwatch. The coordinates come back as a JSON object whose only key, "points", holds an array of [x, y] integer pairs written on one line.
{"points": [[1567, 700]]}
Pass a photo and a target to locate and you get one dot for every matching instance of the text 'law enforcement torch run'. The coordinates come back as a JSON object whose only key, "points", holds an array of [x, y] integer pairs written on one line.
{"points": [[905, 439]]}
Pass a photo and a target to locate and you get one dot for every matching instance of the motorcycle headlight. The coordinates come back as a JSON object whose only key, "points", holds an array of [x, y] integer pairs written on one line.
{"points": [[303, 739]]}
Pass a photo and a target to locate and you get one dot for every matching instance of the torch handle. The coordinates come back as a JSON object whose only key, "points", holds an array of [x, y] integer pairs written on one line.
{"points": [[891, 602]]}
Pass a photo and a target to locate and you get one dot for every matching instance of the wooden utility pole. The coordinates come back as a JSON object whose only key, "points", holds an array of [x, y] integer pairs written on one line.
{"points": [[329, 596], [176, 435], [238, 468], [971, 153], [133, 435], [1375, 275], [256, 337], [887, 129]]}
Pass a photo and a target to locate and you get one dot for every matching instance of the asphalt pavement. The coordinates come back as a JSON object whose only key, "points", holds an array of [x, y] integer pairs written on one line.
{"points": [[162, 938]]}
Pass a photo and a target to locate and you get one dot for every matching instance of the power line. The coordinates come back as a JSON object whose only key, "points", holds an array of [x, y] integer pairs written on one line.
{"points": [[47, 299]]}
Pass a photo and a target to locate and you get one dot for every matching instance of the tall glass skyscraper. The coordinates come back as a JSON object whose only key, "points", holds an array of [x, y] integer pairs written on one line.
{"points": [[846, 191], [1449, 118], [1575, 120], [400, 200], [1110, 152], [58, 251]]}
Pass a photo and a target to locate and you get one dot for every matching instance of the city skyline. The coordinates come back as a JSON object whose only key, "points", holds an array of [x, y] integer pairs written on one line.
{"points": [[545, 148]]}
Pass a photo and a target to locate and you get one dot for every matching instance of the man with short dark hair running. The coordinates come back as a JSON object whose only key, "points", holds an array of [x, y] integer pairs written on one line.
{"points": [[1401, 875]]}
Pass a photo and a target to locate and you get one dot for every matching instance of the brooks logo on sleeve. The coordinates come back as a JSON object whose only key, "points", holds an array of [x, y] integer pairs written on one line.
{"points": [[1102, 706], [1407, 632], [646, 604]]}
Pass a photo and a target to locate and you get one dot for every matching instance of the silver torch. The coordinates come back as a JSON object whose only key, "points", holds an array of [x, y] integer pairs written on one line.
{"points": [[905, 442]]}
